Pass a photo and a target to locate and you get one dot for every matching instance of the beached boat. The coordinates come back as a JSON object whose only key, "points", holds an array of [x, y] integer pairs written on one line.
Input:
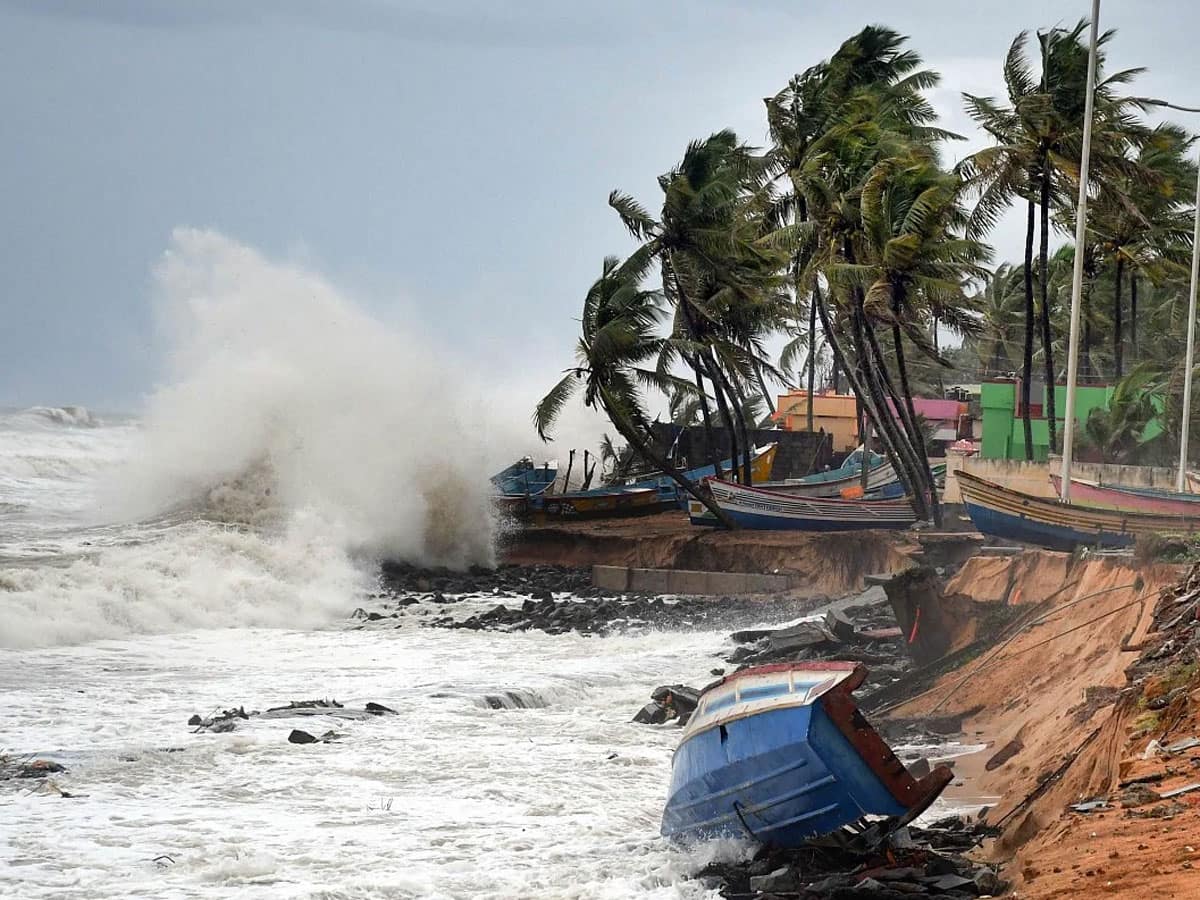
{"points": [[524, 478], [832, 483], [1129, 499], [780, 753], [1004, 513], [599, 503], [765, 509], [761, 461]]}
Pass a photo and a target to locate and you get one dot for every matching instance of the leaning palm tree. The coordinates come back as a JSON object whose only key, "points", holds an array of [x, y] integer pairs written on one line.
{"points": [[720, 272], [915, 266], [619, 336], [1035, 159], [1139, 216]]}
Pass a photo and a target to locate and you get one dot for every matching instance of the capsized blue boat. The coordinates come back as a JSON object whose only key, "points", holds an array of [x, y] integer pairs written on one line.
{"points": [[780, 754]]}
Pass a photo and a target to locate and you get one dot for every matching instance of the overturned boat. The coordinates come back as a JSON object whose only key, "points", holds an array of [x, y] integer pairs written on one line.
{"points": [[780, 753]]}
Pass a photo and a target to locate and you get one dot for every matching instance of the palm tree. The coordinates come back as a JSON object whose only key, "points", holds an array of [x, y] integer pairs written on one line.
{"points": [[720, 271], [1140, 215], [830, 127], [619, 336], [915, 265], [1000, 318], [1036, 159]]}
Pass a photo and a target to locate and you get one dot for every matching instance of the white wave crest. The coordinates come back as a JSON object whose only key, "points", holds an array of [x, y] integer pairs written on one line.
{"points": [[67, 416], [285, 396], [198, 576]]}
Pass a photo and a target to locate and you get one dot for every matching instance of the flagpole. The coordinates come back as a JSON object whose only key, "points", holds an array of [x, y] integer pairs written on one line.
{"points": [[1077, 279], [1186, 414]]}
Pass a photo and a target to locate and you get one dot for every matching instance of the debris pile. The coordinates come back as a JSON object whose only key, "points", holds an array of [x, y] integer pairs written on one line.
{"points": [[867, 862], [864, 632]]}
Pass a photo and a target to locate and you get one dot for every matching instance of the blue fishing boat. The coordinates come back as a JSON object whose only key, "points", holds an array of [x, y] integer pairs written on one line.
{"points": [[1004, 513], [780, 754], [766, 509], [523, 478]]}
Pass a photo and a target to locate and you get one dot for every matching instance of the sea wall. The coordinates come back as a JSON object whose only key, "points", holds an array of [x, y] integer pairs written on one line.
{"points": [[813, 564], [1034, 477]]}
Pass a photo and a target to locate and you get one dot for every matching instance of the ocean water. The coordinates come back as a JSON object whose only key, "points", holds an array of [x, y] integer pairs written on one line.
{"points": [[112, 635], [209, 554]]}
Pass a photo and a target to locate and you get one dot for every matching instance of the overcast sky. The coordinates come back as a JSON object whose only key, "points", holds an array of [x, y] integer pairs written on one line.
{"points": [[446, 163]]}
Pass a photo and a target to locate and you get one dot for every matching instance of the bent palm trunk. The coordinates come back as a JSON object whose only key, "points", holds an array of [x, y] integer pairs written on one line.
{"points": [[643, 448]]}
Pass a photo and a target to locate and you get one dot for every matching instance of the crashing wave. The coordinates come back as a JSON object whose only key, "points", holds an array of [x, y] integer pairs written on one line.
{"points": [[65, 416]]}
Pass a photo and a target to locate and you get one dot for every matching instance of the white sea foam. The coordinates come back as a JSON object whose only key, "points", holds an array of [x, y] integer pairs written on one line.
{"points": [[275, 372]]}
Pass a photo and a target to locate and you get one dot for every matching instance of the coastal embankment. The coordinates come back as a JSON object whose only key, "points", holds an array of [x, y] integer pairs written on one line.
{"points": [[1077, 674], [818, 564]]}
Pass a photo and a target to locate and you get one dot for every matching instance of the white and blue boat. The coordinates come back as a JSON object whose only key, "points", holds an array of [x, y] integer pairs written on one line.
{"points": [[780, 754], [767, 509], [523, 478], [1002, 512]]}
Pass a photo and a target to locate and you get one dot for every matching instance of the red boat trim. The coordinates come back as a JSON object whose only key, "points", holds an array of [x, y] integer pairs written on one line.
{"points": [[914, 795]]}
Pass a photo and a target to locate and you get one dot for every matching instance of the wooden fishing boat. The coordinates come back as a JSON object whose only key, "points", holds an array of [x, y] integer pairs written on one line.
{"points": [[780, 753], [1129, 499], [1004, 513], [834, 482], [524, 478], [770, 510], [600, 503], [761, 461]]}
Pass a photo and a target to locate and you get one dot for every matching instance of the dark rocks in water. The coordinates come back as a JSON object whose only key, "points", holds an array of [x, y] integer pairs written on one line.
{"points": [[538, 581], [606, 615], [653, 713], [675, 701], [301, 737], [229, 719], [38, 768], [225, 721]]}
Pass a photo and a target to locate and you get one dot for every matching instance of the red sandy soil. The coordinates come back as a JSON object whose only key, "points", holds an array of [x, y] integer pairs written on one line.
{"points": [[824, 563], [1047, 702]]}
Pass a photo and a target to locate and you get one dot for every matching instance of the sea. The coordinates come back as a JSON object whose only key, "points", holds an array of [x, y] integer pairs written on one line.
{"points": [[209, 553]]}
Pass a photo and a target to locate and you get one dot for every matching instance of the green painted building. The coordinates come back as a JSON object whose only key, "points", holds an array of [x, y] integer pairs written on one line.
{"points": [[1004, 429]]}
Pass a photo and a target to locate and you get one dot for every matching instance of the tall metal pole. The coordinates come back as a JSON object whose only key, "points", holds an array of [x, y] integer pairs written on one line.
{"points": [[1077, 279], [1181, 478]]}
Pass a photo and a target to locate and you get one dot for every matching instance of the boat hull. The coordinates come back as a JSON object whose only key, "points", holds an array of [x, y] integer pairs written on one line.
{"points": [[761, 462], [1002, 512], [1144, 500], [768, 510], [780, 754], [600, 504]]}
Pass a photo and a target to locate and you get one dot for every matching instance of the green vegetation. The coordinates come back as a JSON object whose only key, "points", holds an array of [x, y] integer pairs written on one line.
{"points": [[850, 237]]}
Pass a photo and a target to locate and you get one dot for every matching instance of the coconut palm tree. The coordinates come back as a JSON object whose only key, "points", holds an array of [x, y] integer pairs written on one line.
{"points": [[999, 305], [1036, 159], [721, 272], [619, 336], [1139, 216]]}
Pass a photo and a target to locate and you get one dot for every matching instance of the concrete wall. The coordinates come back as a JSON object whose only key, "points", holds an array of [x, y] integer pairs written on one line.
{"points": [[686, 581], [1034, 477]]}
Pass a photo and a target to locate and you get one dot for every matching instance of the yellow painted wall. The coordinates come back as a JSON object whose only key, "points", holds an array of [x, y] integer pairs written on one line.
{"points": [[834, 413]]}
